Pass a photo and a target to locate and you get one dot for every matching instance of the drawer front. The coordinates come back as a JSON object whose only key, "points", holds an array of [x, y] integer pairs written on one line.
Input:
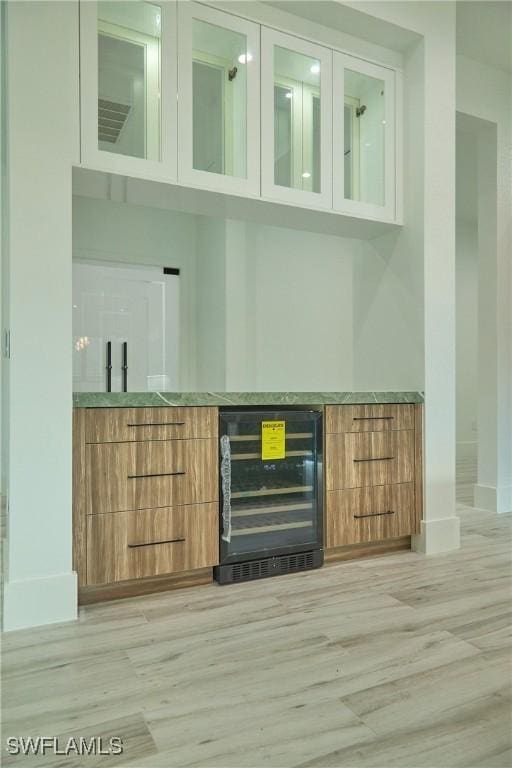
{"points": [[110, 425], [369, 458], [162, 473], [151, 542], [368, 418], [370, 514]]}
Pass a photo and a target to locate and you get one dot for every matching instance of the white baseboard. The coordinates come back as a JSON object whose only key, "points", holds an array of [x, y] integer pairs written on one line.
{"points": [[33, 602], [437, 536], [493, 499]]}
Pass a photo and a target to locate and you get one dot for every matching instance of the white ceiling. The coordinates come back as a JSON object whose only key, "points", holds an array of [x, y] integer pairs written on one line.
{"points": [[484, 32]]}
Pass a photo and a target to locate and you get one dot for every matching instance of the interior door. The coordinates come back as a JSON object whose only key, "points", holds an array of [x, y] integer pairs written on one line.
{"points": [[134, 309]]}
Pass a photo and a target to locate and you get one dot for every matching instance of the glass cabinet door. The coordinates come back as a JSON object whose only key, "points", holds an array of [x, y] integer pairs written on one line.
{"points": [[364, 138], [127, 84], [218, 100], [296, 124]]}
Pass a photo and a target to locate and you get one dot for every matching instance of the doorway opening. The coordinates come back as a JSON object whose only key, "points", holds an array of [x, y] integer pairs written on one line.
{"points": [[476, 316]]}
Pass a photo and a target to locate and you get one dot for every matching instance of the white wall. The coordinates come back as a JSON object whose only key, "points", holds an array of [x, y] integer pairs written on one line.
{"points": [[388, 273], [211, 305], [4, 275], [254, 297], [300, 306], [467, 336], [467, 266], [40, 585], [240, 317]]}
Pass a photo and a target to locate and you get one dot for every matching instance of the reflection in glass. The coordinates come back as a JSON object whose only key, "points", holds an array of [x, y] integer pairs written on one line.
{"points": [[282, 135], [297, 123], [364, 130], [129, 78], [219, 82]]}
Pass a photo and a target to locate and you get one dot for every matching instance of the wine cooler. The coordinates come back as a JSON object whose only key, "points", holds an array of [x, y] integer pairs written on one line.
{"points": [[271, 493]]}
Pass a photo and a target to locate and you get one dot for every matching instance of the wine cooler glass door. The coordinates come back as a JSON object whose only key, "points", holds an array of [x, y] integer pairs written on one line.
{"points": [[270, 476]]}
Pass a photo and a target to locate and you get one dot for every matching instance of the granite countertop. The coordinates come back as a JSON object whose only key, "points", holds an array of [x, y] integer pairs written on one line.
{"points": [[162, 399]]}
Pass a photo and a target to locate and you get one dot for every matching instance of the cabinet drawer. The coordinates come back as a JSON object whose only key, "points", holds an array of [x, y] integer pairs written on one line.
{"points": [[162, 473], [151, 542], [368, 418], [110, 425], [370, 514], [369, 458]]}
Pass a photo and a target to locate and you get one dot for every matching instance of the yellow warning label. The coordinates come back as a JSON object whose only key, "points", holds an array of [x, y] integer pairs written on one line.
{"points": [[273, 437]]}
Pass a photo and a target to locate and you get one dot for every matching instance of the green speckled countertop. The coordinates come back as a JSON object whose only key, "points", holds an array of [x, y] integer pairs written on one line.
{"points": [[153, 399]]}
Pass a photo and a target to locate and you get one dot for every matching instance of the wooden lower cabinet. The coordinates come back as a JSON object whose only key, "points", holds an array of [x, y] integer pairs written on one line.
{"points": [[355, 460], [369, 514], [151, 542], [145, 491], [373, 477], [150, 474], [115, 425], [368, 418], [145, 499]]}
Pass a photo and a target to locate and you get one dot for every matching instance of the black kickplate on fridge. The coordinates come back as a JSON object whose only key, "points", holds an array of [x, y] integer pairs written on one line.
{"points": [[268, 566]]}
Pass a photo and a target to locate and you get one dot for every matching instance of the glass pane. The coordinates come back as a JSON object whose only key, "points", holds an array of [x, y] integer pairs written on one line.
{"points": [[283, 136], [365, 127], [129, 79], [273, 503], [297, 121], [219, 83]]}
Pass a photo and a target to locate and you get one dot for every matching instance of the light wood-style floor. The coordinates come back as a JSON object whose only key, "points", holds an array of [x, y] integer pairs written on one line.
{"points": [[402, 660]]}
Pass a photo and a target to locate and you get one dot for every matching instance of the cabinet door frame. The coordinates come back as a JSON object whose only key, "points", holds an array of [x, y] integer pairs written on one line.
{"points": [[187, 174], [92, 156], [388, 211], [270, 190]]}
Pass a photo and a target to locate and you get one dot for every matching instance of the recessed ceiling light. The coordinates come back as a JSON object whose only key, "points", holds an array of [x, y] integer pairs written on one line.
{"points": [[306, 175], [288, 94], [315, 69], [245, 57]]}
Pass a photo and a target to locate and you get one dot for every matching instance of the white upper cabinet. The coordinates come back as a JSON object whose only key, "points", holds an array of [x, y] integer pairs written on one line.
{"points": [[296, 125], [128, 87], [219, 100], [187, 93], [364, 125]]}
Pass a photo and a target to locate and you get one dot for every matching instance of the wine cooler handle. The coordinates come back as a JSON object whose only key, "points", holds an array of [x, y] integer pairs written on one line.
{"points": [[225, 474], [108, 366], [124, 366]]}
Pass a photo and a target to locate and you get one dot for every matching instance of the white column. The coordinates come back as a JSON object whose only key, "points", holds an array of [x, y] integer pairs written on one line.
{"points": [[42, 144], [440, 525]]}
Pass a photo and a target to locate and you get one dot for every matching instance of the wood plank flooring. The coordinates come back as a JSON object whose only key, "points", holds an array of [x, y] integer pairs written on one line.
{"points": [[401, 660]]}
